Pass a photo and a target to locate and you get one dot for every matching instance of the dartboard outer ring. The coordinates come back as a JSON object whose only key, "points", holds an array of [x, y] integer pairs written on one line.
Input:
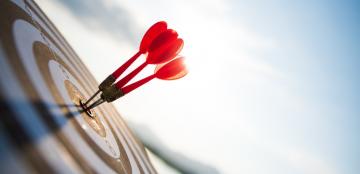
{"points": [[41, 128]]}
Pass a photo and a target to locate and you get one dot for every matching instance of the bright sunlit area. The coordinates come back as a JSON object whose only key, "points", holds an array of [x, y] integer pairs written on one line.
{"points": [[272, 87]]}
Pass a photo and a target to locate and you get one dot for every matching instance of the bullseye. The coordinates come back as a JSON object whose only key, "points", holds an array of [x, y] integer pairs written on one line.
{"points": [[44, 94], [87, 111]]}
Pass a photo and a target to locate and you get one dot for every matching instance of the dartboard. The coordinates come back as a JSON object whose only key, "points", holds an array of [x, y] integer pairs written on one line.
{"points": [[42, 81]]}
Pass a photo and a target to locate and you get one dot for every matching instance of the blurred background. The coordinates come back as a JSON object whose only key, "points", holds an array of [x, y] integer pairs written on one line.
{"points": [[273, 85]]}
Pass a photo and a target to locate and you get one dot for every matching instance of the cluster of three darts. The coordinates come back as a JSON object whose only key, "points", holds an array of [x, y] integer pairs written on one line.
{"points": [[162, 46]]}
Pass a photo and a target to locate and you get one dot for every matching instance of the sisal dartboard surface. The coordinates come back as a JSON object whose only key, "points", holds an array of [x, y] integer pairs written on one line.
{"points": [[41, 83]]}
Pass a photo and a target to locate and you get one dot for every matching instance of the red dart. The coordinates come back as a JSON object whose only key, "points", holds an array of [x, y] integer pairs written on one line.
{"points": [[173, 70], [162, 52], [147, 39], [161, 44]]}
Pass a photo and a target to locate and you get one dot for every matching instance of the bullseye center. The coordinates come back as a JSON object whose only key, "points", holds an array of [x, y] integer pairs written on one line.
{"points": [[89, 116], [86, 110]]}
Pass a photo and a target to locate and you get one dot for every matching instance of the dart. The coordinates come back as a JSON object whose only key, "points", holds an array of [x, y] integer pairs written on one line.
{"points": [[172, 70], [147, 39], [160, 55]]}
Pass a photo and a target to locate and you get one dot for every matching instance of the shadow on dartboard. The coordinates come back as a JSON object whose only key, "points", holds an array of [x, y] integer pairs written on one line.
{"points": [[42, 82]]}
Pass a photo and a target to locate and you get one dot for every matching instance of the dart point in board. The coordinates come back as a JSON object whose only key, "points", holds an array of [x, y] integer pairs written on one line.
{"points": [[162, 47]]}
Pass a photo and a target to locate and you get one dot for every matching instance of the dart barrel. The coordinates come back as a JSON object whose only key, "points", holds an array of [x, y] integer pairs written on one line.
{"points": [[42, 84]]}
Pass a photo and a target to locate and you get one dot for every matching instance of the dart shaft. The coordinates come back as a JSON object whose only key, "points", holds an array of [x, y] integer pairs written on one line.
{"points": [[130, 76], [124, 66], [137, 84], [96, 103], [92, 97]]}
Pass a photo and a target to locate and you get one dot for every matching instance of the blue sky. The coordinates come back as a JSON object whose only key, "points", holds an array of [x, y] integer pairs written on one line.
{"points": [[272, 88], [322, 58]]}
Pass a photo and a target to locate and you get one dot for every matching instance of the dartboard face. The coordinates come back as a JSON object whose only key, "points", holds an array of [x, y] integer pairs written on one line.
{"points": [[42, 82]]}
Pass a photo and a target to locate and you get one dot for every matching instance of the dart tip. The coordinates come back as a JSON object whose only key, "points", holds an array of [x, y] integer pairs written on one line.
{"points": [[86, 109], [93, 105]]}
